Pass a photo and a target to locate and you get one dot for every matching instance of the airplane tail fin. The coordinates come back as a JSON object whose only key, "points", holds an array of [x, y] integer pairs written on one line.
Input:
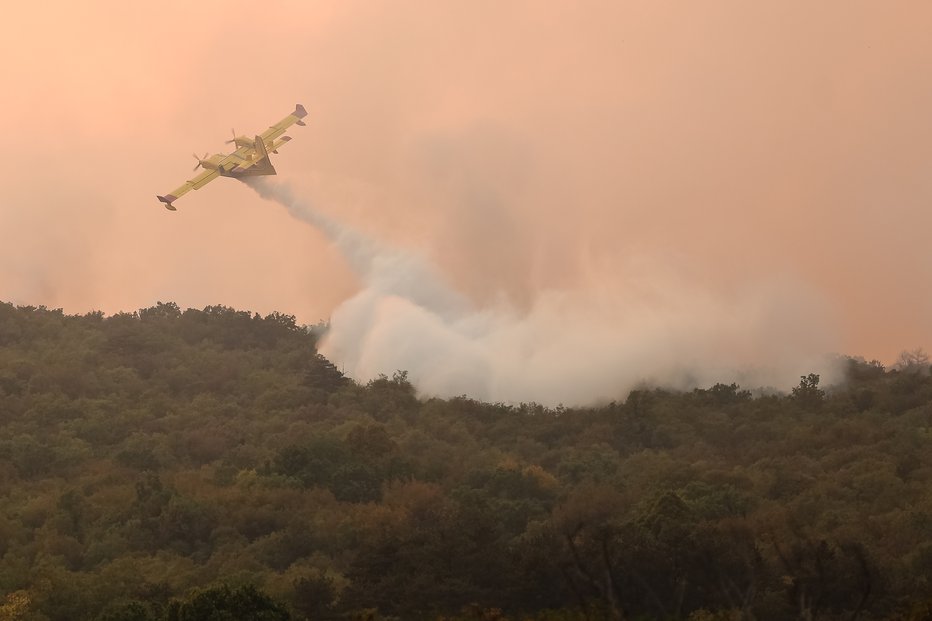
{"points": [[263, 164], [300, 112], [261, 148]]}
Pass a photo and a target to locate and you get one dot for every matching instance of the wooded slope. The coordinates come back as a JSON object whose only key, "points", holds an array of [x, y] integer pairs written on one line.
{"points": [[145, 456]]}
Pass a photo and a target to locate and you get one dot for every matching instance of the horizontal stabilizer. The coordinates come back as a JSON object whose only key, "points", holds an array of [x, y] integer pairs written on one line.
{"points": [[168, 201]]}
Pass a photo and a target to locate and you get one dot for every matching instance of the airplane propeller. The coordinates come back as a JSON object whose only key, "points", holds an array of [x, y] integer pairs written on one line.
{"points": [[198, 165], [234, 137]]}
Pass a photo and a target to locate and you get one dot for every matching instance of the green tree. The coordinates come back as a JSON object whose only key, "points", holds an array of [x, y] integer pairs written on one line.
{"points": [[244, 603], [314, 596], [808, 394], [132, 610]]}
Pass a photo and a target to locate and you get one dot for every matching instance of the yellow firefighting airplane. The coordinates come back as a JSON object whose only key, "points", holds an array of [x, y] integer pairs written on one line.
{"points": [[250, 158]]}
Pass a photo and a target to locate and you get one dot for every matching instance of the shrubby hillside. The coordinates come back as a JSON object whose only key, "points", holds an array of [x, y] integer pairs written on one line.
{"points": [[208, 464]]}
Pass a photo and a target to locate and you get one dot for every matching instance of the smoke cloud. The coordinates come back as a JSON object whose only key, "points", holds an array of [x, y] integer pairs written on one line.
{"points": [[611, 168], [571, 346]]}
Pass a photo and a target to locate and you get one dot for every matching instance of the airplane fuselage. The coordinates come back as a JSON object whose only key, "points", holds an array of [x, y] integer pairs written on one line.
{"points": [[213, 162]]}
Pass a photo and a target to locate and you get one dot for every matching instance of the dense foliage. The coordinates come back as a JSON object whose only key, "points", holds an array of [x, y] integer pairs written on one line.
{"points": [[210, 465]]}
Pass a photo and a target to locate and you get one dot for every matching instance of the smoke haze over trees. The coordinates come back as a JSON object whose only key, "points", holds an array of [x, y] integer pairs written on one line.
{"points": [[574, 345]]}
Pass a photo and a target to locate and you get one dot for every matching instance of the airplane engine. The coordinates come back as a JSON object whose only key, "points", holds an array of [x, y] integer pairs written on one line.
{"points": [[241, 141]]}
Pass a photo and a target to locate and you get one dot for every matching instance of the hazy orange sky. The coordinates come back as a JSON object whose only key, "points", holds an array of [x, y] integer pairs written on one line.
{"points": [[524, 146]]}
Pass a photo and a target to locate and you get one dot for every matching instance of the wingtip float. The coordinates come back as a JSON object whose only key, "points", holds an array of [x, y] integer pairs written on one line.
{"points": [[250, 158]]}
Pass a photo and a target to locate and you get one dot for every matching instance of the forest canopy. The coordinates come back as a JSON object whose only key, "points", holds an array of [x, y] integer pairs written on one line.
{"points": [[209, 464]]}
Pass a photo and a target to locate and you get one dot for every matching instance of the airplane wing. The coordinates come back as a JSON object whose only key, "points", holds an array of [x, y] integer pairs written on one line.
{"points": [[191, 184], [279, 128]]}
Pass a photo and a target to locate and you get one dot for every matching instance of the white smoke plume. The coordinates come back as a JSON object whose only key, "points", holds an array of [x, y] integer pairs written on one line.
{"points": [[572, 347]]}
